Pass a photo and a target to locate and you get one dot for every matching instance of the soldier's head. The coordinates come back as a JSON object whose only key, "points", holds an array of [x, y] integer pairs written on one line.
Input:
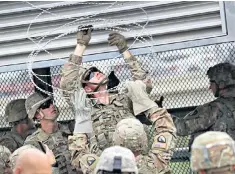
{"points": [[130, 133], [93, 79], [221, 76], [213, 153], [4, 160], [116, 159], [32, 161], [41, 107], [16, 115]]}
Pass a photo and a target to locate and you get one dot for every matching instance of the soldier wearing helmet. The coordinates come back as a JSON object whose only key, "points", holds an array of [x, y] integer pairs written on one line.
{"points": [[116, 160], [107, 108], [4, 160], [217, 115], [51, 133], [22, 126], [130, 133], [213, 153]]}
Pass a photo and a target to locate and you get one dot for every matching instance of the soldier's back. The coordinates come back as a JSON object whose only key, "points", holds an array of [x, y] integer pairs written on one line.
{"points": [[12, 140]]}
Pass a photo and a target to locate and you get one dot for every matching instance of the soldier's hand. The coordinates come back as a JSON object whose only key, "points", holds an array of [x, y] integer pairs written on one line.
{"points": [[84, 35], [118, 40]]}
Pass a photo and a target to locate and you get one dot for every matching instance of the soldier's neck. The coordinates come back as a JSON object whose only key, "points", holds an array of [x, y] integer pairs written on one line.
{"points": [[49, 126], [102, 97]]}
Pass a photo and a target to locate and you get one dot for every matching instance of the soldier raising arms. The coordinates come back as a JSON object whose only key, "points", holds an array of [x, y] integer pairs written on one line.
{"points": [[108, 109]]}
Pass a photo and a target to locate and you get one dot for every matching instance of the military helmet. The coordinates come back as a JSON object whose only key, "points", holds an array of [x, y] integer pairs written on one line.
{"points": [[212, 150], [116, 159], [130, 133], [223, 74], [33, 102], [15, 110]]}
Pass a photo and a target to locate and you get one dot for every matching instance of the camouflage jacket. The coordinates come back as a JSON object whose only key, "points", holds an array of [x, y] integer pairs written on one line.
{"points": [[12, 140], [218, 115], [58, 143]]}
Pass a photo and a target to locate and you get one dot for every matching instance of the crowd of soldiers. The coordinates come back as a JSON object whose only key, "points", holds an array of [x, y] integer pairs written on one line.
{"points": [[106, 136]]}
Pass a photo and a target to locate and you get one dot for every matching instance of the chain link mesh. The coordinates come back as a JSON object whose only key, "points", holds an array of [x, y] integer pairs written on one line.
{"points": [[178, 75]]}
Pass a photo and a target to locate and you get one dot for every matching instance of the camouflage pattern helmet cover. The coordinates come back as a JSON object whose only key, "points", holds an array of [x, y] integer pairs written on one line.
{"points": [[130, 133], [33, 102], [117, 158], [223, 74], [15, 110], [4, 155], [212, 150]]}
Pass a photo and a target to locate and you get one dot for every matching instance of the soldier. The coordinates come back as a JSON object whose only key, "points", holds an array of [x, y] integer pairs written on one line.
{"points": [[51, 133], [213, 153], [115, 160], [130, 133], [217, 115], [109, 108], [17, 117], [4, 160]]}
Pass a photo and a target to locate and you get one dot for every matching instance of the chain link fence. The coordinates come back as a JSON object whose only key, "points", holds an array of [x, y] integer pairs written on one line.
{"points": [[178, 75]]}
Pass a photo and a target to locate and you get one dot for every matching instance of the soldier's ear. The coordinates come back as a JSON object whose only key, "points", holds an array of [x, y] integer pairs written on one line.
{"points": [[87, 89], [39, 115]]}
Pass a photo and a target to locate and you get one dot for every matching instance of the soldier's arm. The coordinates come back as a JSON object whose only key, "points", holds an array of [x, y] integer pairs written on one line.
{"points": [[198, 120], [137, 72], [72, 70]]}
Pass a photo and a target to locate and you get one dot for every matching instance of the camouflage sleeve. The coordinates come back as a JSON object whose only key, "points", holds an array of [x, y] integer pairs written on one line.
{"points": [[164, 138], [71, 71], [137, 72], [9, 143], [198, 120], [81, 156]]}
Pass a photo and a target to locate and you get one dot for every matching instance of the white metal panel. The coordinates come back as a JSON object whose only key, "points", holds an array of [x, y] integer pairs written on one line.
{"points": [[168, 22]]}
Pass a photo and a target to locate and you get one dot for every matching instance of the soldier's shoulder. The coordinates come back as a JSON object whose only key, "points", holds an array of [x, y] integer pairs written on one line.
{"points": [[34, 136], [8, 141]]}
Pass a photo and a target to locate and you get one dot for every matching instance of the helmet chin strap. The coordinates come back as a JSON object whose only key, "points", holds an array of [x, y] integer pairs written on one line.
{"points": [[103, 82]]}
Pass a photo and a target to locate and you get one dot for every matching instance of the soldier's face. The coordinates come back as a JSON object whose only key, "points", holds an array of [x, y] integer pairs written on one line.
{"points": [[95, 77], [49, 112], [213, 87]]}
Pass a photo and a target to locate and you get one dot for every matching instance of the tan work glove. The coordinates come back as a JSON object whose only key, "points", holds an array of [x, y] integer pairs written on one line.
{"points": [[84, 35], [140, 99], [83, 123], [118, 40]]}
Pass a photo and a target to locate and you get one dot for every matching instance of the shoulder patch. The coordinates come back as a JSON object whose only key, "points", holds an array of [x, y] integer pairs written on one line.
{"points": [[161, 139], [90, 160]]}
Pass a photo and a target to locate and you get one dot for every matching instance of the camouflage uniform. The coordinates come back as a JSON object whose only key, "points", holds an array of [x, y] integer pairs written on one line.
{"points": [[15, 113], [4, 160], [213, 152], [217, 115], [105, 117], [116, 159], [57, 141]]}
